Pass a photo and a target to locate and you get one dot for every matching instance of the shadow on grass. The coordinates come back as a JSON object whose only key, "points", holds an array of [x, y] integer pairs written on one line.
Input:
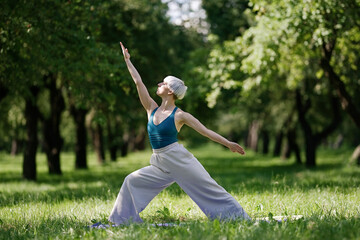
{"points": [[261, 174], [249, 174], [51, 227], [67, 227]]}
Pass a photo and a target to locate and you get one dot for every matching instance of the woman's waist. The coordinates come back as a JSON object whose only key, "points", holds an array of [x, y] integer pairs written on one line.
{"points": [[165, 148]]}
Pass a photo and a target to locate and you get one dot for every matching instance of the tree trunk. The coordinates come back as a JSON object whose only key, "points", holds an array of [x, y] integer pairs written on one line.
{"points": [[112, 143], [139, 141], [356, 155], [125, 144], [3, 91], [124, 149], [291, 136], [339, 141], [292, 146], [298, 154], [253, 135], [97, 136], [278, 143], [14, 147], [286, 154], [53, 140], [266, 141], [131, 139], [310, 144], [31, 116], [79, 116], [310, 151], [339, 86], [312, 140]]}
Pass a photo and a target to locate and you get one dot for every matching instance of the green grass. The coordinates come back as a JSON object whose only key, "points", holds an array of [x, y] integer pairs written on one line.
{"points": [[60, 207]]}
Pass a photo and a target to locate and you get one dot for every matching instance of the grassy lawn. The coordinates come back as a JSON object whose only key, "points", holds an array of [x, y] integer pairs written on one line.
{"points": [[60, 207]]}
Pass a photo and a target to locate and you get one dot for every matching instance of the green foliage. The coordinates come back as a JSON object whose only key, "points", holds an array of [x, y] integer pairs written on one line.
{"points": [[78, 42], [62, 207], [12, 121], [256, 73], [226, 17]]}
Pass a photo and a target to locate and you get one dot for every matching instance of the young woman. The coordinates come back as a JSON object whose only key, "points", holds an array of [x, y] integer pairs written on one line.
{"points": [[170, 161]]}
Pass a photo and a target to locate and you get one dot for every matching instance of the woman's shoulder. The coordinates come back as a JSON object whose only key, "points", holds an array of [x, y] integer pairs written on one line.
{"points": [[181, 114]]}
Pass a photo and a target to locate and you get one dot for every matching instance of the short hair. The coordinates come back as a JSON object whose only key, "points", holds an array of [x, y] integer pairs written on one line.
{"points": [[177, 86]]}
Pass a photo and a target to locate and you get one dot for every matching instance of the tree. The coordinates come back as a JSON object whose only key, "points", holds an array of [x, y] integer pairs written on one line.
{"points": [[52, 139], [312, 140], [19, 72], [31, 115], [38, 46], [79, 115], [68, 51], [317, 28], [290, 44]]}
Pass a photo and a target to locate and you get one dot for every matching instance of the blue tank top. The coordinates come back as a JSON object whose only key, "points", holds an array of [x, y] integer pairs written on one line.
{"points": [[164, 133]]}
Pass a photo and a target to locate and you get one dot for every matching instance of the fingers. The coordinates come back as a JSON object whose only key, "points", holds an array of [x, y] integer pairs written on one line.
{"points": [[123, 48], [242, 152], [125, 51], [237, 148]]}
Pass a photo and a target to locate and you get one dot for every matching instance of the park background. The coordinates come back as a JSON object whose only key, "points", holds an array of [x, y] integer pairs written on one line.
{"points": [[281, 78]]}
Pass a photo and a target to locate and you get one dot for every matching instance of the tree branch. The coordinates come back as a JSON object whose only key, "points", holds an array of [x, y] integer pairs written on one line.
{"points": [[340, 88], [336, 120]]}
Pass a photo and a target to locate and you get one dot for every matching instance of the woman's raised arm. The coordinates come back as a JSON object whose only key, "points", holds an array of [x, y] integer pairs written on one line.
{"points": [[148, 103]]}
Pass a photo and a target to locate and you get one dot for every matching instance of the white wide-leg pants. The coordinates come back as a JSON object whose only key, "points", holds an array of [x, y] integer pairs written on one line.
{"points": [[170, 164]]}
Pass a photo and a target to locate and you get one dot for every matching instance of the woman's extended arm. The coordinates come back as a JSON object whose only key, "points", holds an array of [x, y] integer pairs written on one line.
{"points": [[148, 103], [194, 123]]}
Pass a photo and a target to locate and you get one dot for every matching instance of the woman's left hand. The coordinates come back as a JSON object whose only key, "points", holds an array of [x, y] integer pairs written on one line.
{"points": [[234, 147], [125, 52]]}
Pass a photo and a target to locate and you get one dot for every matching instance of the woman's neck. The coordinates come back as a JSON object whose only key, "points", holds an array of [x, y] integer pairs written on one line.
{"points": [[167, 104]]}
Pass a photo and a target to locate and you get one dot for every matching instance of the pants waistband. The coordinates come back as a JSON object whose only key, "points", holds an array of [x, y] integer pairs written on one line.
{"points": [[160, 150]]}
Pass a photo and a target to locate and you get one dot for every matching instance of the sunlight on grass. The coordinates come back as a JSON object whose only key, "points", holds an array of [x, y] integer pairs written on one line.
{"points": [[62, 206]]}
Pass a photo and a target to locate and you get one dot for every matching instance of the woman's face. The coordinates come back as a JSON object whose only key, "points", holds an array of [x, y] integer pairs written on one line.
{"points": [[162, 88]]}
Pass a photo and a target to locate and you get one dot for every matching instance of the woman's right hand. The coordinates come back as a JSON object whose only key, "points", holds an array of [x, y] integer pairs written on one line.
{"points": [[125, 52], [234, 147]]}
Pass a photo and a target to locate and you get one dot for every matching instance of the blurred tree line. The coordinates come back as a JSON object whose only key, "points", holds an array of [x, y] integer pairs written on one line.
{"points": [[293, 73], [63, 77], [281, 75]]}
